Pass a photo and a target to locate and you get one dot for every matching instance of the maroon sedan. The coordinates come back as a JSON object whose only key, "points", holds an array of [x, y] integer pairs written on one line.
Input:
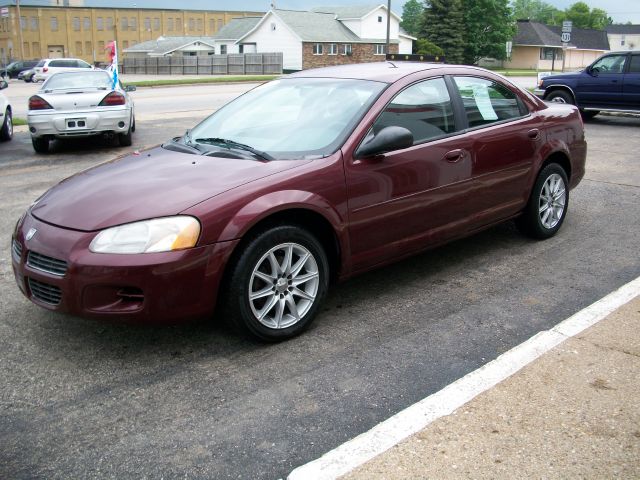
{"points": [[316, 176]]}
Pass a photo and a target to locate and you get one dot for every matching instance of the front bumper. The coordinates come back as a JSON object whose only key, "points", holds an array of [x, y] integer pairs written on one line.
{"points": [[539, 92], [55, 270], [79, 123]]}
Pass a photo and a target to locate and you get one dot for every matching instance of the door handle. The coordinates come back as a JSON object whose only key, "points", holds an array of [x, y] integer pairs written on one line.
{"points": [[533, 134], [454, 155]]}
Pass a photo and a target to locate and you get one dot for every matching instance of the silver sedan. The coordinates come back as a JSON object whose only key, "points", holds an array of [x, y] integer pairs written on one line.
{"points": [[80, 104]]}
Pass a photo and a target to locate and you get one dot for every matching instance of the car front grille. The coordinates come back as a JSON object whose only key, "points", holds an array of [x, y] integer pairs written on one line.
{"points": [[16, 248], [46, 264], [44, 292]]}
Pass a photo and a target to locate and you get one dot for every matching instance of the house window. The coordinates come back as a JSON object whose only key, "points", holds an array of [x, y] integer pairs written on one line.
{"points": [[241, 49], [156, 24], [170, 24], [317, 49], [133, 24], [54, 24], [86, 24], [346, 49], [34, 24], [99, 23], [333, 49], [223, 49], [379, 19], [109, 23], [549, 53], [124, 23], [379, 49]]}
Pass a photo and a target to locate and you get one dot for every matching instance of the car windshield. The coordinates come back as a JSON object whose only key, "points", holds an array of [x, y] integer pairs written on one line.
{"points": [[41, 63], [62, 80], [290, 118]]}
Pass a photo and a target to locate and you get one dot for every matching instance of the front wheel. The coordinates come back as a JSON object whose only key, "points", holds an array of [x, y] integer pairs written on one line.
{"points": [[560, 96], [548, 203], [277, 284], [6, 132]]}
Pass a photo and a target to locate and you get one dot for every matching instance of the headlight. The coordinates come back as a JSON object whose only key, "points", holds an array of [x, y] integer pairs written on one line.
{"points": [[157, 235]]}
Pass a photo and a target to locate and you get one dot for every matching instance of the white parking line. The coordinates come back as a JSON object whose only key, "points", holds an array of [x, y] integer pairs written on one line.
{"points": [[411, 420]]}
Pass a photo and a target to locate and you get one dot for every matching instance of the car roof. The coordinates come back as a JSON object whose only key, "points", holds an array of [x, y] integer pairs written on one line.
{"points": [[388, 71]]}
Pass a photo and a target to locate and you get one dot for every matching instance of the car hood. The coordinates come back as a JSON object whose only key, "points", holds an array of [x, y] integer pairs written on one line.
{"points": [[151, 184], [562, 76]]}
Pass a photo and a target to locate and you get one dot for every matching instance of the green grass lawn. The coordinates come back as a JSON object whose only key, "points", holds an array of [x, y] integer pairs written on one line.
{"points": [[18, 121]]}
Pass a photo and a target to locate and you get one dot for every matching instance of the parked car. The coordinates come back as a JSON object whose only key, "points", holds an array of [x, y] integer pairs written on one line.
{"points": [[27, 75], [47, 67], [611, 83], [320, 175], [80, 104], [6, 119], [14, 68]]}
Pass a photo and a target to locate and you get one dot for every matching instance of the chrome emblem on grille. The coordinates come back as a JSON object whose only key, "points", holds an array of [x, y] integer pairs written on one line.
{"points": [[30, 234]]}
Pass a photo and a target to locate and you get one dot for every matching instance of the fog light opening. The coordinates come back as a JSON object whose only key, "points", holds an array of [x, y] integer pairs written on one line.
{"points": [[32, 129], [121, 124]]}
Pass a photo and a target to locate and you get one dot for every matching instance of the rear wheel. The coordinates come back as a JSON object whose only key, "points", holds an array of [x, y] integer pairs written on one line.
{"points": [[588, 114], [560, 96], [6, 132], [125, 139], [548, 203], [40, 144], [277, 284]]}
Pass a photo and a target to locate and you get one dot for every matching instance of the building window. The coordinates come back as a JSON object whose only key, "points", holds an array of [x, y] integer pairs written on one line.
{"points": [[54, 24], [78, 48], [223, 49], [156, 24], [23, 23], [101, 46], [379, 49], [86, 24], [273, 27], [99, 23], [379, 19], [333, 49], [109, 23], [88, 50], [147, 24], [170, 24], [124, 23], [622, 40], [199, 24], [189, 54], [346, 49], [34, 24], [192, 24], [317, 49], [76, 24], [549, 53], [133, 24]]}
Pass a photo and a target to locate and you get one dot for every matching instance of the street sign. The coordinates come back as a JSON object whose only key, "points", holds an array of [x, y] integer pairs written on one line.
{"points": [[4, 12], [565, 37], [566, 26]]}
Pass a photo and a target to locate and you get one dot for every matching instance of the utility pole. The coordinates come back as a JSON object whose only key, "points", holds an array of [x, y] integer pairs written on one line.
{"points": [[388, 25], [20, 30]]}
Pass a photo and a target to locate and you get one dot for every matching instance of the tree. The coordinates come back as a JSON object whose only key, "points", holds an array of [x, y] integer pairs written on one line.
{"points": [[488, 26], [412, 17], [537, 11], [425, 47], [443, 25], [580, 14]]}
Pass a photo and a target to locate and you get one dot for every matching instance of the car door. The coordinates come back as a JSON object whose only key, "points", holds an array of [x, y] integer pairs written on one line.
{"points": [[601, 85], [631, 86], [504, 142], [406, 198]]}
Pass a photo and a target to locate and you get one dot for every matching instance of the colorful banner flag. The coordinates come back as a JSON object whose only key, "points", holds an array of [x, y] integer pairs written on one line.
{"points": [[112, 55]]}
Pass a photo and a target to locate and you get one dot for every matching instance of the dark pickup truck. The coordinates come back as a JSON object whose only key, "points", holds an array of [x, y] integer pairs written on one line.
{"points": [[611, 83]]}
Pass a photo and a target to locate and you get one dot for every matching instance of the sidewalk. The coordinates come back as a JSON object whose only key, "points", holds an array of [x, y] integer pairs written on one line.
{"points": [[572, 413]]}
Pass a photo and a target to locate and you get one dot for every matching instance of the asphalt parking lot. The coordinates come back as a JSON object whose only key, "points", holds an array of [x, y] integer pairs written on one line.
{"points": [[84, 399]]}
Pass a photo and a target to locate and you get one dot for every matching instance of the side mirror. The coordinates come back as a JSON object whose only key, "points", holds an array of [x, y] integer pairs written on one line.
{"points": [[387, 140], [593, 71], [130, 88], [3, 84]]}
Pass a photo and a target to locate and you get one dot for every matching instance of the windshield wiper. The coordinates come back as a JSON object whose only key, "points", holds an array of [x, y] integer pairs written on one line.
{"points": [[229, 144]]}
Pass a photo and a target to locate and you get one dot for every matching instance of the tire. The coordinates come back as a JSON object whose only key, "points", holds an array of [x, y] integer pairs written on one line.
{"points": [[560, 96], [125, 139], [547, 207], [40, 144], [6, 132], [289, 293]]}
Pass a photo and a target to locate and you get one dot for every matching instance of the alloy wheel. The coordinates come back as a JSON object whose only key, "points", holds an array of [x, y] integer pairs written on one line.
{"points": [[552, 201]]}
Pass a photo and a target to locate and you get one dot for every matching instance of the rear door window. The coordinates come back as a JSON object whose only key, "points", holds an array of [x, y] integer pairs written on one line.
{"points": [[486, 101]]}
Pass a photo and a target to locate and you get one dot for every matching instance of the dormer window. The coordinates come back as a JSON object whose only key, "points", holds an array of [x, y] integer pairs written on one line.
{"points": [[379, 18]]}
